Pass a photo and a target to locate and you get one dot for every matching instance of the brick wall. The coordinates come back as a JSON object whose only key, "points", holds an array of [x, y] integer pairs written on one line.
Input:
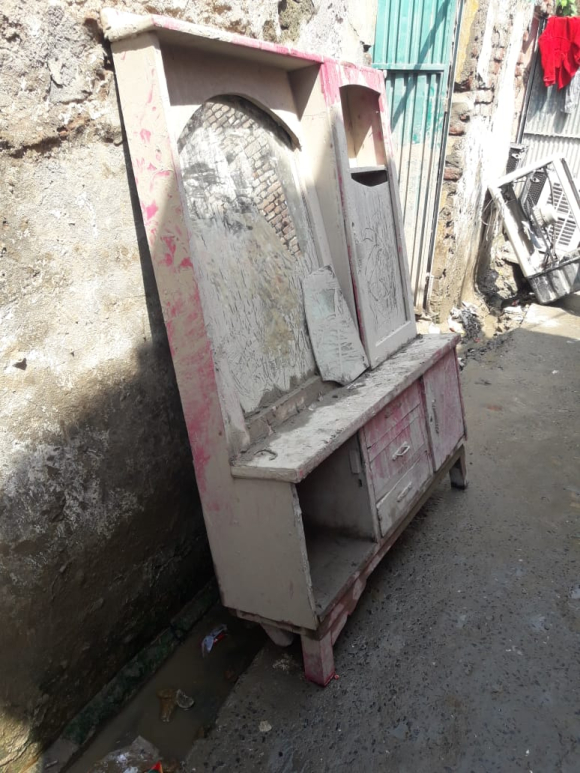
{"points": [[246, 130]]}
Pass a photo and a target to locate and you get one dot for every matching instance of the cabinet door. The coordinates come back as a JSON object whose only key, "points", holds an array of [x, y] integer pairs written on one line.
{"points": [[444, 409], [395, 505], [373, 222], [379, 271]]}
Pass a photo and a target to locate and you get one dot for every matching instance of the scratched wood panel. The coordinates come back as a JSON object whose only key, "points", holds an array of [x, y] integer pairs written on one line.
{"points": [[443, 400], [304, 441], [378, 278], [373, 219], [253, 243], [337, 347]]}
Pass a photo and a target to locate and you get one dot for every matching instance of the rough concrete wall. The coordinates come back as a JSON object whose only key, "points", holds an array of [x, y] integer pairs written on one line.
{"points": [[487, 94], [101, 535]]}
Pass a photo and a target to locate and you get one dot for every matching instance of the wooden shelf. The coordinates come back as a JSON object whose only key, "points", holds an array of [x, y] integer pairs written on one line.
{"points": [[333, 559], [363, 169], [302, 442]]}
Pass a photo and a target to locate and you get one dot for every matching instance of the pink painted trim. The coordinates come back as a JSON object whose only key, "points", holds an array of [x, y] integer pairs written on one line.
{"points": [[120, 25]]}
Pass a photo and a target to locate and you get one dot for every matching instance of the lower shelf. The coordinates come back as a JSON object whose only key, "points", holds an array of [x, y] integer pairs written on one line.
{"points": [[334, 557]]}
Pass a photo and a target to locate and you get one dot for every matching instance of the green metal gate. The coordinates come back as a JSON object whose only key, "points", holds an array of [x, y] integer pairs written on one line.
{"points": [[413, 45]]}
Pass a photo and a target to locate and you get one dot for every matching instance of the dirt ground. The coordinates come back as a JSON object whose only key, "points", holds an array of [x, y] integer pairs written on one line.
{"points": [[463, 652]]}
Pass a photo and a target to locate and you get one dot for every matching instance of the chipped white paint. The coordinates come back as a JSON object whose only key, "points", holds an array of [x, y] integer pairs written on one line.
{"points": [[337, 347]]}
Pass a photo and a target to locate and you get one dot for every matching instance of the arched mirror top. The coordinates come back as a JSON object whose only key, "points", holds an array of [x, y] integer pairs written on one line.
{"points": [[242, 99], [253, 243]]}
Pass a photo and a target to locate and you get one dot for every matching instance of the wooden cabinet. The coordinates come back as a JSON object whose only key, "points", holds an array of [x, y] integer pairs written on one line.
{"points": [[305, 484], [362, 463]]}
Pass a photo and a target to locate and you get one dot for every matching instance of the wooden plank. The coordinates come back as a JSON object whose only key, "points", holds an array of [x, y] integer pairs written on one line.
{"points": [[304, 441], [377, 273], [337, 347]]}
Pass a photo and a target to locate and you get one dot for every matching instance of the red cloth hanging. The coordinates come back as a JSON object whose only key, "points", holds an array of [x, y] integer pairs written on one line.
{"points": [[560, 50]]}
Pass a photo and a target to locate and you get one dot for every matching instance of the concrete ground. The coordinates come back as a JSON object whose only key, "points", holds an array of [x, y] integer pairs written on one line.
{"points": [[464, 652]]}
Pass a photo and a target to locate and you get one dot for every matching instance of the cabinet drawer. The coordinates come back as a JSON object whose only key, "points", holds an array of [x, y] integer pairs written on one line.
{"points": [[397, 451], [390, 417], [395, 504]]}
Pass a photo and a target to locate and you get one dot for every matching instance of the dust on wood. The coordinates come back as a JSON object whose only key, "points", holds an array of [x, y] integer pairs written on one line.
{"points": [[254, 245], [304, 441], [337, 347]]}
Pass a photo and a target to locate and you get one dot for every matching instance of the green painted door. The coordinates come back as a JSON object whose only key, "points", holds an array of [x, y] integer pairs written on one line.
{"points": [[413, 45]]}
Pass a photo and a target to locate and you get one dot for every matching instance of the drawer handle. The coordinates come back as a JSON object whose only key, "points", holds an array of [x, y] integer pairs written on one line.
{"points": [[404, 449], [404, 492]]}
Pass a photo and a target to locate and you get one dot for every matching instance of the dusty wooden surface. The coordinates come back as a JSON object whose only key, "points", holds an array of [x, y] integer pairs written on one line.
{"points": [[337, 347], [251, 259], [301, 443], [379, 274]]}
